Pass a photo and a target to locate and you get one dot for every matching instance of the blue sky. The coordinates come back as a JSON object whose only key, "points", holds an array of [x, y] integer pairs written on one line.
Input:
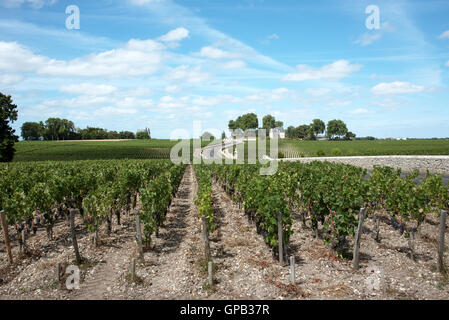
{"points": [[164, 64]]}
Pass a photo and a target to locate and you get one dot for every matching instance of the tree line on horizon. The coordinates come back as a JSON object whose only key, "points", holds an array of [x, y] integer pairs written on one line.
{"points": [[63, 129], [334, 130]]}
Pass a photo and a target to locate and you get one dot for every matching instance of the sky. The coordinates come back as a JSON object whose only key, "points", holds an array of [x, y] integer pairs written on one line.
{"points": [[165, 64]]}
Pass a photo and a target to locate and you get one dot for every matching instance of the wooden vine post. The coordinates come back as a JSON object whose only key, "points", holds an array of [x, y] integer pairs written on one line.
{"points": [[443, 216], [72, 231], [292, 270], [24, 241], [209, 269], [6, 233], [280, 239], [139, 234], [206, 239], [355, 259], [133, 269]]}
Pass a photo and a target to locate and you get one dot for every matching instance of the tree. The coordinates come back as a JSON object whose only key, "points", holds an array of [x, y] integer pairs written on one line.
{"points": [[290, 132], [142, 135], [302, 132], [8, 113], [223, 135], [31, 130], [349, 136], [317, 126], [336, 129], [278, 124], [268, 122], [127, 135], [113, 135], [245, 122], [58, 129]]}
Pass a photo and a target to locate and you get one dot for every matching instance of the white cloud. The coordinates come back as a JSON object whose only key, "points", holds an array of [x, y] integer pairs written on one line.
{"points": [[137, 57], [188, 74], [318, 91], [367, 38], [359, 111], [396, 87], [9, 79], [338, 103], [132, 102], [444, 35], [337, 70], [172, 89], [111, 111], [216, 53], [447, 64], [235, 64], [88, 89], [174, 35], [36, 4]]}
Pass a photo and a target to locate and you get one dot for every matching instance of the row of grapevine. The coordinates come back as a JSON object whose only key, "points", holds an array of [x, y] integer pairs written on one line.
{"points": [[205, 196], [156, 197], [262, 197], [330, 194], [34, 195]]}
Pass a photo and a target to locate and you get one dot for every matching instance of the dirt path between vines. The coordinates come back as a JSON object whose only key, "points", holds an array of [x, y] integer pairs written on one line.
{"points": [[169, 270], [246, 268]]}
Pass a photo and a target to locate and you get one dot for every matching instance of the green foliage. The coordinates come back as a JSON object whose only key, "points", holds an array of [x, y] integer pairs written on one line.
{"points": [[369, 148], [320, 153], [317, 126], [32, 130], [142, 135], [94, 187], [205, 196], [336, 129], [336, 152], [245, 122], [8, 114]]}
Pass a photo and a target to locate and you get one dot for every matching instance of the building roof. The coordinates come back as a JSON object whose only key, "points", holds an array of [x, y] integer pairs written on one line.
{"points": [[278, 129]]}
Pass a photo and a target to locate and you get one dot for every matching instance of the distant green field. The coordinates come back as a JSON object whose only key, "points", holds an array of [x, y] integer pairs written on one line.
{"points": [[93, 150], [297, 148]]}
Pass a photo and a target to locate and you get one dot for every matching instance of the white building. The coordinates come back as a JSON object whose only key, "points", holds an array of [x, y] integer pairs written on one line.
{"points": [[277, 132]]}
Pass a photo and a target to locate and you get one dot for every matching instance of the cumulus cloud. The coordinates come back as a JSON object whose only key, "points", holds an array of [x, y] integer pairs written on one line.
{"points": [[216, 53], [137, 57], [36, 4], [397, 87], [235, 64], [337, 70], [318, 91], [188, 74], [338, 103], [358, 111], [9, 79], [174, 35], [88, 89]]}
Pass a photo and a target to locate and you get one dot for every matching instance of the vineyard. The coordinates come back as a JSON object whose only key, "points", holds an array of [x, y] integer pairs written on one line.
{"points": [[222, 231]]}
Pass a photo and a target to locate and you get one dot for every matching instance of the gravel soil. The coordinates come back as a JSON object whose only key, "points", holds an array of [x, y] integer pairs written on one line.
{"points": [[244, 267], [435, 164]]}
